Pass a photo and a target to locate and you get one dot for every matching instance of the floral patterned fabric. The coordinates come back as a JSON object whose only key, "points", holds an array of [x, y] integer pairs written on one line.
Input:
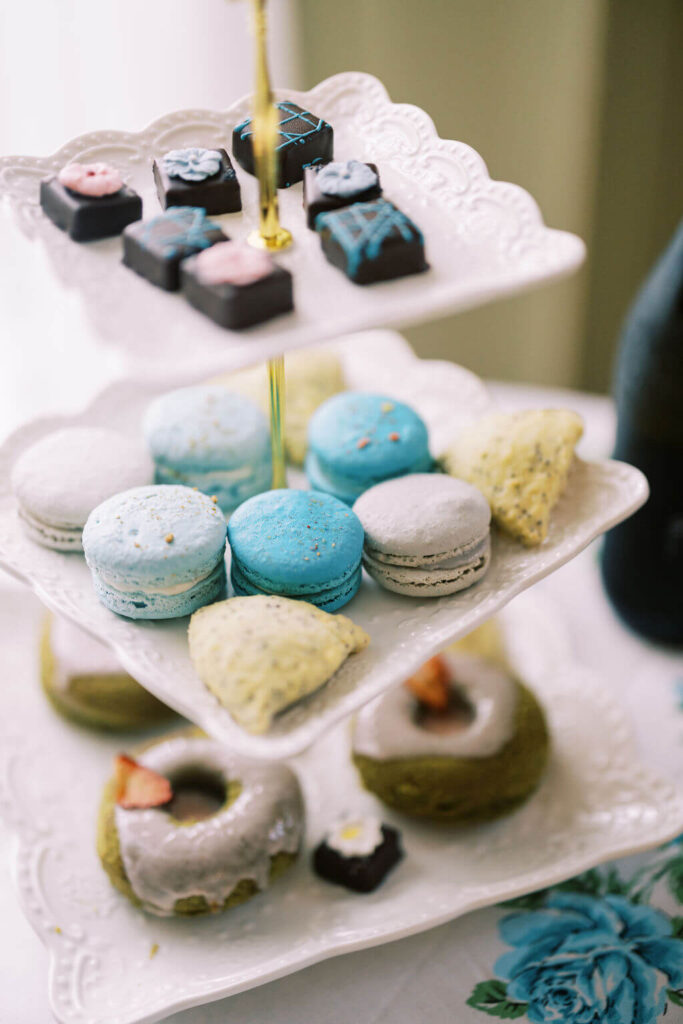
{"points": [[594, 950]]}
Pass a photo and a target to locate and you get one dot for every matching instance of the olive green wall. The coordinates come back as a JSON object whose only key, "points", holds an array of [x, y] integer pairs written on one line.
{"points": [[529, 84]]}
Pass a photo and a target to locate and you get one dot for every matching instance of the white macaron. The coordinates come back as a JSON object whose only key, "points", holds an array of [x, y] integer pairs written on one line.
{"points": [[61, 478], [426, 534]]}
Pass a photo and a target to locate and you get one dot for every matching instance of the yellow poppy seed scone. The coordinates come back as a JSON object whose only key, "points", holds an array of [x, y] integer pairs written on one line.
{"points": [[190, 828], [85, 683], [311, 377], [261, 654], [520, 462], [462, 742]]}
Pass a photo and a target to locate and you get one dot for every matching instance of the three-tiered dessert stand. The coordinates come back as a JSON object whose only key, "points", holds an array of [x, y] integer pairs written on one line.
{"points": [[484, 239]]}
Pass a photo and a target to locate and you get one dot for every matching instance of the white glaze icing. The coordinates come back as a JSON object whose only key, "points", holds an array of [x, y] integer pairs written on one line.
{"points": [[76, 653], [165, 861], [386, 728], [358, 838]]}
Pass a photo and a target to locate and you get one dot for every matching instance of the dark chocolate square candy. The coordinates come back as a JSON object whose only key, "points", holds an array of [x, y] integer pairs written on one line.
{"points": [[316, 200], [237, 306], [371, 241], [217, 193], [87, 218], [156, 248], [304, 138], [361, 874]]}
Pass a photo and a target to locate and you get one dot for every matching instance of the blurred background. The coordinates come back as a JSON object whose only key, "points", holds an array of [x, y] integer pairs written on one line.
{"points": [[578, 101]]}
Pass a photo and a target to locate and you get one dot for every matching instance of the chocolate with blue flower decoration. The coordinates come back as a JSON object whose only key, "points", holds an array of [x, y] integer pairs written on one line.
{"points": [[155, 248], [198, 177], [337, 184]]}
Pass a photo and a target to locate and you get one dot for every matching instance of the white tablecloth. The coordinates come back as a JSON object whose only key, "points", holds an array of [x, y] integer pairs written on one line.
{"points": [[430, 977]]}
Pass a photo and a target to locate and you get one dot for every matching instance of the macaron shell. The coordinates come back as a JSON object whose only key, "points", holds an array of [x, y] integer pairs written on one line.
{"points": [[60, 479], [58, 538], [417, 517], [367, 437], [145, 605], [329, 598], [152, 537], [206, 427], [230, 487], [291, 539], [436, 582]]}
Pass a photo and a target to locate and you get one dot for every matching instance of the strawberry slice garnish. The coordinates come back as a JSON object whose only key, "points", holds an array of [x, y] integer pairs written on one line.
{"points": [[431, 684], [137, 786]]}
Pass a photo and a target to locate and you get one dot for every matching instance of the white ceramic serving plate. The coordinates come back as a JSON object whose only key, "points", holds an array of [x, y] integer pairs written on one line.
{"points": [[484, 238], [403, 631], [596, 802]]}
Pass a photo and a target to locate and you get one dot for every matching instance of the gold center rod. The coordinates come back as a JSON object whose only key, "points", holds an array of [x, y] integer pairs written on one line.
{"points": [[276, 380]]}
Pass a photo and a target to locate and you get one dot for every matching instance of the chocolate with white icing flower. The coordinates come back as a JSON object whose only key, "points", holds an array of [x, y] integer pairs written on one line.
{"points": [[194, 164], [197, 177], [335, 185], [358, 854]]}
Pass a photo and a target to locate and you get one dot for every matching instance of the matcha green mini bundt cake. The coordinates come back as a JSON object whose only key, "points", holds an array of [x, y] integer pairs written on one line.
{"points": [[190, 828], [85, 683], [464, 742]]}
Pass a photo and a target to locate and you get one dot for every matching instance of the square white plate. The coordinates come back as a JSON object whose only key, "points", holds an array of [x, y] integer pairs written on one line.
{"points": [[596, 802], [404, 631], [483, 238]]}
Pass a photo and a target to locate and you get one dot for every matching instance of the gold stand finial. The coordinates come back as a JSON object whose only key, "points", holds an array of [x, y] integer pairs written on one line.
{"points": [[271, 235]]}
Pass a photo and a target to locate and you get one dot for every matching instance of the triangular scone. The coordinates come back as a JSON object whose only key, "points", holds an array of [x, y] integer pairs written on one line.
{"points": [[520, 462], [311, 377], [259, 655]]}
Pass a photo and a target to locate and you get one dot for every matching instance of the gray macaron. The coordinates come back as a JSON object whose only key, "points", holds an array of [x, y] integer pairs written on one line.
{"points": [[426, 535]]}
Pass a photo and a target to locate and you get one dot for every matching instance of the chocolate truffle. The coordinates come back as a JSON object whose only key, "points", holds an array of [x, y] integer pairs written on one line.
{"points": [[304, 138], [237, 285], [371, 242], [155, 248], [198, 177], [89, 201], [358, 854], [331, 186]]}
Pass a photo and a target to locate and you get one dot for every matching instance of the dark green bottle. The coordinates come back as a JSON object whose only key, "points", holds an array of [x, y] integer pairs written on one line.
{"points": [[642, 562]]}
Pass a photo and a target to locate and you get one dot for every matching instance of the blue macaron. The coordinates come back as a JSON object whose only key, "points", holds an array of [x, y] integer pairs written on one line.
{"points": [[210, 438], [298, 544], [156, 552], [357, 440]]}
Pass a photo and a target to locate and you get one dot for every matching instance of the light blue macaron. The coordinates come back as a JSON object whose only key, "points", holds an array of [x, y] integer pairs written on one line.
{"points": [[298, 544], [156, 552], [210, 438], [357, 440]]}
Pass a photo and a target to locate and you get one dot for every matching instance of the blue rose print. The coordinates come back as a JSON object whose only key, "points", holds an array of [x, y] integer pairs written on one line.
{"points": [[191, 164], [587, 960], [346, 179]]}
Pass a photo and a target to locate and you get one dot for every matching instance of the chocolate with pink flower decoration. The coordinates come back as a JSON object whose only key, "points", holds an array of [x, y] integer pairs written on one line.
{"points": [[92, 180], [233, 263]]}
